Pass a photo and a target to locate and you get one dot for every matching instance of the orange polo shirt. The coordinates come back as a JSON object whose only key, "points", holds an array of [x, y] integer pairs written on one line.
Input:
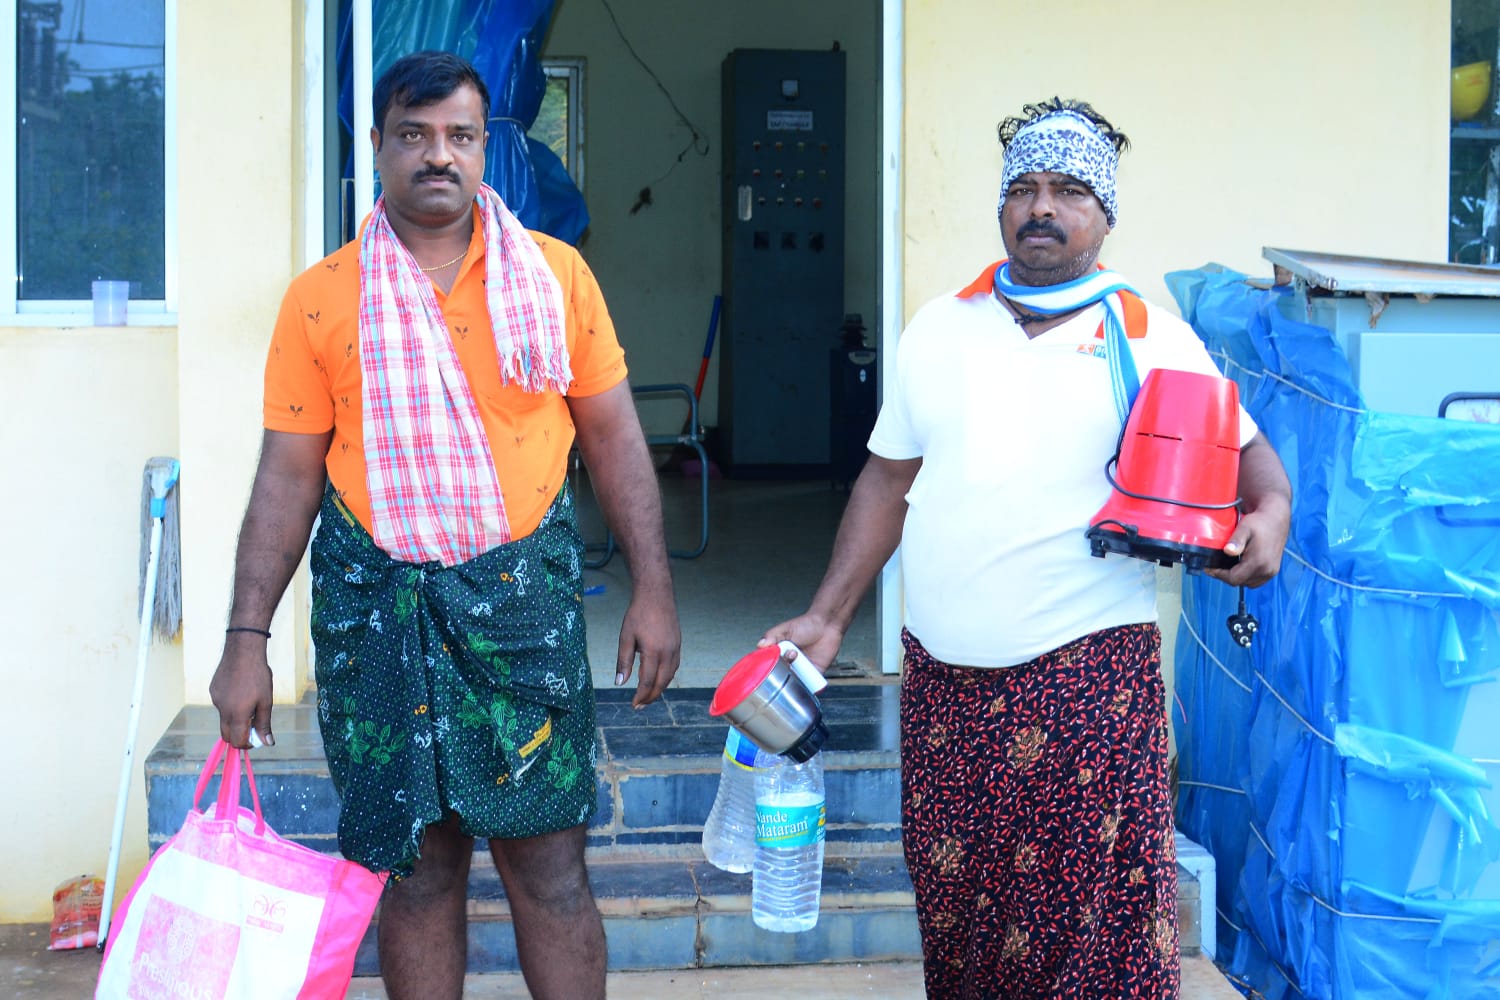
{"points": [[313, 378]]}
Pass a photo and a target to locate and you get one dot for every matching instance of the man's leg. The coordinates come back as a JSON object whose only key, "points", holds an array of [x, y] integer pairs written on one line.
{"points": [[423, 931], [559, 934]]}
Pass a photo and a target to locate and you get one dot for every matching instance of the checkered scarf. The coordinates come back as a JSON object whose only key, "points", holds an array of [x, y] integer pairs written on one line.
{"points": [[434, 492]]}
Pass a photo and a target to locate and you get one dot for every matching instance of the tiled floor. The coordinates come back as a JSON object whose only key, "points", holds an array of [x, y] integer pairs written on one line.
{"points": [[768, 545], [29, 972], [1201, 980], [862, 717], [890, 981]]}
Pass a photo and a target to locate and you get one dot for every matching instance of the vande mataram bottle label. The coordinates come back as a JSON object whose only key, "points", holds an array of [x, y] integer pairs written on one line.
{"points": [[791, 826]]}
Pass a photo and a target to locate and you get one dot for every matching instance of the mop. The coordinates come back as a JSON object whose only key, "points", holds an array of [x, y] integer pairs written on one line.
{"points": [[160, 611]]}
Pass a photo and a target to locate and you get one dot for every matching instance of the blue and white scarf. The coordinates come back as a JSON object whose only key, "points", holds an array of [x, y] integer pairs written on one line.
{"points": [[1100, 286]]}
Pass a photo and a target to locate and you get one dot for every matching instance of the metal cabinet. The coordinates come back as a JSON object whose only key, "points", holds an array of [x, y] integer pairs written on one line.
{"points": [[1416, 335], [783, 258]]}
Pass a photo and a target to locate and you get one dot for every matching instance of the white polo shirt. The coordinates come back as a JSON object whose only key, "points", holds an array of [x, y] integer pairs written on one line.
{"points": [[1014, 434]]}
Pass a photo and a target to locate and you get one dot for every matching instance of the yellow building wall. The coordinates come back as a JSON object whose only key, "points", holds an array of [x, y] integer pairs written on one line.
{"points": [[85, 409], [240, 182], [1314, 126]]}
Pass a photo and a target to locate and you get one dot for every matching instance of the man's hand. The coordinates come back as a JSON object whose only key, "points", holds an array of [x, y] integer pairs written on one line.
{"points": [[818, 638], [241, 691], [651, 632], [1260, 536], [1258, 540]]}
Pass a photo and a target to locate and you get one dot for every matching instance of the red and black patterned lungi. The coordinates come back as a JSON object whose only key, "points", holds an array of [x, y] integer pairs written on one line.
{"points": [[1037, 824]]}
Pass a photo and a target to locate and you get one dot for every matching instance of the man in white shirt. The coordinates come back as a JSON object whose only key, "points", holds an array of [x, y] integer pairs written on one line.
{"points": [[1036, 817]]}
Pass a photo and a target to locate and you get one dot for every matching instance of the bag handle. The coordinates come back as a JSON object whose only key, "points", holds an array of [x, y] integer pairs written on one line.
{"points": [[229, 784]]}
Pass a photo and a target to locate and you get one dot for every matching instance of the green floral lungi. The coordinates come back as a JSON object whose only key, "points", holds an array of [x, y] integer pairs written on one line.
{"points": [[462, 689]]}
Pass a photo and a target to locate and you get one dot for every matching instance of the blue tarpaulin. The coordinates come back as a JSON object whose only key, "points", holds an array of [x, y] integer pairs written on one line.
{"points": [[1345, 771], [503, 39]]}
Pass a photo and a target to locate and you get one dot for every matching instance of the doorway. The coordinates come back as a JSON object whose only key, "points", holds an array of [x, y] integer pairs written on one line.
{"points": [[651, 102]]}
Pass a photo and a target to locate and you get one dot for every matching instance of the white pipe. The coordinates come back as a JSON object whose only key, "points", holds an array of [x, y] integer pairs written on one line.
{"points": [[364, 154], [313, 138], [132, 727], [889, 587]]}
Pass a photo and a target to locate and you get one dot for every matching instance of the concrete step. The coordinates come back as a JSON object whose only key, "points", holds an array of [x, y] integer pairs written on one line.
{"points": [[664, 906], [657, 775], [681, 914]]}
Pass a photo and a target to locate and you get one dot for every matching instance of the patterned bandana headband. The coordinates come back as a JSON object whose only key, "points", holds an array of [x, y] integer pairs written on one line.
{"points": [[1064, 142]]}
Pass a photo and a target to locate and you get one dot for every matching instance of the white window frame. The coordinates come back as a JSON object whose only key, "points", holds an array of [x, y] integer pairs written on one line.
{"points": [[80, 312], [571, 68]]}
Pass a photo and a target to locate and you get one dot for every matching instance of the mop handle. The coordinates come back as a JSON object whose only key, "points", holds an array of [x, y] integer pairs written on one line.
{"points": [[708, 346], [123, 795]]}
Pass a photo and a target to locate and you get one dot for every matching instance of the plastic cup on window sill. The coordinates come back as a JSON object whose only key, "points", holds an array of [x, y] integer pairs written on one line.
{"points": [[110, 298]]}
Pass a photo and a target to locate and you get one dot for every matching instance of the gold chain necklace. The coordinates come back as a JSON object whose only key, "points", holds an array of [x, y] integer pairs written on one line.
{"points": [[439, 267]]}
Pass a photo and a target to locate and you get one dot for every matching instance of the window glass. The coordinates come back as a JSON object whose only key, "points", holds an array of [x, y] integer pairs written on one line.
{"points": [[90, 149], [559, 121], [1474, 146]]}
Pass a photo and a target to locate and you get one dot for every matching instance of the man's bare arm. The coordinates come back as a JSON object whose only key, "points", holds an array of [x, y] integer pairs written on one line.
{"points": [[619, 464], [868, 533], [278, 520]]}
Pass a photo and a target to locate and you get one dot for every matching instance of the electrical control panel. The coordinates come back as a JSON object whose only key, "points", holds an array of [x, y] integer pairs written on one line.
{"points": [[783, 258]]}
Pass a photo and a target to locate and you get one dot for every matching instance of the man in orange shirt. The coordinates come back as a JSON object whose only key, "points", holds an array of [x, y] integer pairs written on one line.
{"points": [[424, 386]]}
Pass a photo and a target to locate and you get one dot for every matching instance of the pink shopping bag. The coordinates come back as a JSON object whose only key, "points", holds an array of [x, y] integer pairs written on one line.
{"points": [[227, 908]]}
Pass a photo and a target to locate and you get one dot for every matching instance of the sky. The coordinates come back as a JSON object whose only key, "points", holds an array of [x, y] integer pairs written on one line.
{"points": [[106, 36]]}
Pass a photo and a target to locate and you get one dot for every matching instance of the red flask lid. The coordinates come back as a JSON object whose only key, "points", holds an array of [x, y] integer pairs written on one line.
{"points": [[744, 677]]}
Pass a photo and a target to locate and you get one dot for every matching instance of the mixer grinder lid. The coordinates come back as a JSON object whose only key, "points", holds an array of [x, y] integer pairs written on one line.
{"points": [[745, 676]]}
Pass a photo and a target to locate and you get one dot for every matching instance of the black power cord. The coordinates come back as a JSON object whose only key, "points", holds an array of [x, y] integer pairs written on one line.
{"points": [[1242, 624], [698, 144]]}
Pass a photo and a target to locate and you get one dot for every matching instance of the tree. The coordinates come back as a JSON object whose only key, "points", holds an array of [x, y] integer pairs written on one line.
{"points": [[90, 184]]}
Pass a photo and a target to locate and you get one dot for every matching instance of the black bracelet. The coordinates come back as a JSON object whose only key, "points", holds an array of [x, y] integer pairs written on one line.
{"points": [[247, 628]]}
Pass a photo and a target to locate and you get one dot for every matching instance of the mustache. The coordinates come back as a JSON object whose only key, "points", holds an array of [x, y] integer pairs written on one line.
{"points": [[422, 175], [1041, 227]]}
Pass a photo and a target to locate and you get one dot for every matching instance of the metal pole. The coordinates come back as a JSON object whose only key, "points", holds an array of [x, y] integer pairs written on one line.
{"points": [[313, 135], [364, 153], [1488, 233], [889, 585]]}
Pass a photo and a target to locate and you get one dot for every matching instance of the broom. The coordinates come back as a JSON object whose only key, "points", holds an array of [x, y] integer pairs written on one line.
{"points": [[160, 609]]}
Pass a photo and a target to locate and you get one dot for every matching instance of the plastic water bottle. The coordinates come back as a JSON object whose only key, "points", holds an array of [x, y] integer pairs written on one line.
{"points": [[789, 819], [729, 831]]}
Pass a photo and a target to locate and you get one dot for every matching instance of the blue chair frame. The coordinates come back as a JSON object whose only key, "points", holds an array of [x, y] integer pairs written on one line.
{"points": [[692, 439]]}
